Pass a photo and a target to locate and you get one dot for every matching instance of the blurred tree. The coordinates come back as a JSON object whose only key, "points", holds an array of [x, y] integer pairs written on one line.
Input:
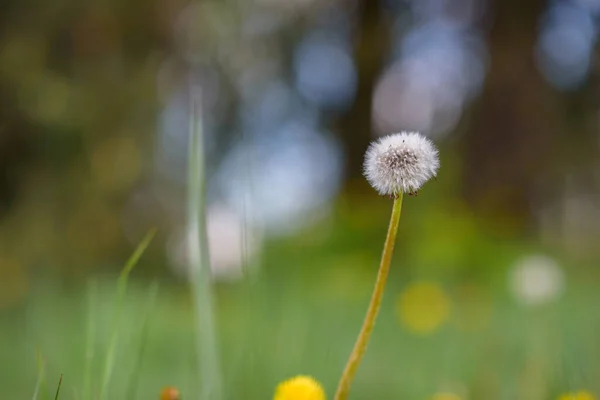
{"points": [[371, 47], [77, 89], [15, 149], [510, 146]]}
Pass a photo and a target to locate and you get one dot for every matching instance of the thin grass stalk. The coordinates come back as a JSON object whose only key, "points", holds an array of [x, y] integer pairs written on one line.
{"points": [[150, 304], [120, 297], [89, 340], [41, 368], [208, 359], [58, 388]]}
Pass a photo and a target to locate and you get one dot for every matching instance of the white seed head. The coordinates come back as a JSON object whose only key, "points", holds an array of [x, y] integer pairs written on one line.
{"points": [[400, 163]]}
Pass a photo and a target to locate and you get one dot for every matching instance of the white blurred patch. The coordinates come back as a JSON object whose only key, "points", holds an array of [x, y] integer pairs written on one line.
{"points": [[536, 280], [438, 71], [232, 245], [284, 179]]}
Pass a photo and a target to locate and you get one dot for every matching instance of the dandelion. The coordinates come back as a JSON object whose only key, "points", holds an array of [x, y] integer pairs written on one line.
{"points": [[299, 388], [581, 395], [401, 163], [423, 307], [394, 165]]}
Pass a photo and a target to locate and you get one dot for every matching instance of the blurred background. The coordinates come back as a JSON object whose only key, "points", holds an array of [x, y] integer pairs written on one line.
{"points": [[494, 284]]}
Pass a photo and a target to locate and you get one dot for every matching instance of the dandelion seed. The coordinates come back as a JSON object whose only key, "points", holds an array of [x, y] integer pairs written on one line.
{"points": [[299, 388], [401, 163]]}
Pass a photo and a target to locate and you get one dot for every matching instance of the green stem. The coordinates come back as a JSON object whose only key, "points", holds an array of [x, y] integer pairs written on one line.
{"points": [[360, 346], [111, 352], [58, 388], [89, 341], [208, 357]]}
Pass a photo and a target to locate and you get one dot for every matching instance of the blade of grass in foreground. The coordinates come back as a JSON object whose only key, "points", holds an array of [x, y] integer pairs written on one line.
{"points": [[90, 339], [134, 379], [58, 388], [121, 289], [208, 360], [41, 372]]}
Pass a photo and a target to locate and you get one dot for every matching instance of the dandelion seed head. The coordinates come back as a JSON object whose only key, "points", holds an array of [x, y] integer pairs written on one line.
{"points": [[299, 388], [400, 163]]}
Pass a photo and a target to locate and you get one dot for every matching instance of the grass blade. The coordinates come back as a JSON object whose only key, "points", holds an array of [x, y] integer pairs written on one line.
{"points": [[121, 288], [41, 372], [133, 381], [90, 340], [58, 388], [208, 360]]}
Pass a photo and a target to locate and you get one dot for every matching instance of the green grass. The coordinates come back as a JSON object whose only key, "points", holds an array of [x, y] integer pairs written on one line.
{"points": [[40, 382], [58, 387], [302, 316], [117, 314], [143, 339], [209, 365], [303, 331]]}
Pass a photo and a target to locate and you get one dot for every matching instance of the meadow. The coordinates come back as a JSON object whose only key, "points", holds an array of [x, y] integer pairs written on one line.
{"points": [[451, 323]]}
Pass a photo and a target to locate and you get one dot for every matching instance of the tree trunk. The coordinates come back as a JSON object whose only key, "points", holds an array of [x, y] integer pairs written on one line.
{"points": [[371, 48], [510, 145]]}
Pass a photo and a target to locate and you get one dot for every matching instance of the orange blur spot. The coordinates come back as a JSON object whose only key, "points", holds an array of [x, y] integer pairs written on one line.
{"points": [[169, 393]]}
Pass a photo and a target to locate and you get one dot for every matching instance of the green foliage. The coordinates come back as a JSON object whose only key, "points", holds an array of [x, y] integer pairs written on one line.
{"points": [[120, 298], [302, 316]]}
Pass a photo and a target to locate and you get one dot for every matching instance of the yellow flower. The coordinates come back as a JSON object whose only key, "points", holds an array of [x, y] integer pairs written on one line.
{"points": [[423, 307], [581, 395], [445, 396], [299, 388]]}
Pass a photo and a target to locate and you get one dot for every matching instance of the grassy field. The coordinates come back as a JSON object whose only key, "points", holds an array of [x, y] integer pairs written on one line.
{"points": [[449, 322]]}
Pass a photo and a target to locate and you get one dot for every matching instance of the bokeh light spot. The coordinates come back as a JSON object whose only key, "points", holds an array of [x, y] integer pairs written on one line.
{"points": [[423, 307]]}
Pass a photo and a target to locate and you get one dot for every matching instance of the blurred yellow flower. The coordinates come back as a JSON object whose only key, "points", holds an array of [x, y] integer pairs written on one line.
{"points": [[423, 307], [445, 396], [581, 395], [299, 388]]}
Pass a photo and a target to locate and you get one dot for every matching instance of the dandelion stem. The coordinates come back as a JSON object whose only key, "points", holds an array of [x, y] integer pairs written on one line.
{"points": [[360, 346]]}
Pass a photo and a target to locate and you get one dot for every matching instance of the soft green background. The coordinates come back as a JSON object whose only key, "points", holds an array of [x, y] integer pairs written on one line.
{"points": [[302, 314]]}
